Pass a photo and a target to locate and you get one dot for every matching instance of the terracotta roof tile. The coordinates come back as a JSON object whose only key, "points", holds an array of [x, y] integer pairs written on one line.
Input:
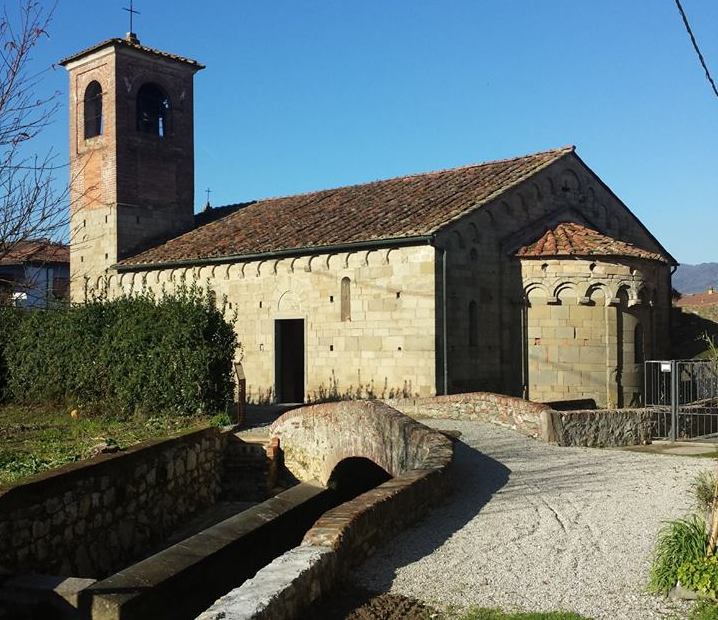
{"points": [[402, 207], [706, 298], [34, 251], [571, 239], [117, 42]]}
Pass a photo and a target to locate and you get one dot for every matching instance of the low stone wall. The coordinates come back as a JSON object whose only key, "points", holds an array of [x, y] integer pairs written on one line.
{"points": [[593, 428], [521, 415], [180, 581], [601, 428], [93, 517], [315, 439]]}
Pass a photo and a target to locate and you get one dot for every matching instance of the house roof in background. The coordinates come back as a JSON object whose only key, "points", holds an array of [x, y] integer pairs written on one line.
{"points": [[393, 209], [34, 251], [572, 239], [706, 298]]}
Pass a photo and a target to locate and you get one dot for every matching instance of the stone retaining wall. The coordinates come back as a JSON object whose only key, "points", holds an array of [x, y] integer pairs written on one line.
{"points": [[601, 428], [521, 415], [90, 518], [593, 428], [315, 439]]}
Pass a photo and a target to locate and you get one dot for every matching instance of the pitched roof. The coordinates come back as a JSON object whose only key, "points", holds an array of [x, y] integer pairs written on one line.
{"points": [[393, 209], [34, 251], [572, 239], [130, 44], [706, 298]]}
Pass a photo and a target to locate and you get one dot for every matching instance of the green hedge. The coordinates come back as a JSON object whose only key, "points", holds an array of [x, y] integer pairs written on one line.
{"points": [[134, 354]]}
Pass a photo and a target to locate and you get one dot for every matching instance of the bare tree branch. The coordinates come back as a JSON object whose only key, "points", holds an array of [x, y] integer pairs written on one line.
{"points": [[31, 205]]}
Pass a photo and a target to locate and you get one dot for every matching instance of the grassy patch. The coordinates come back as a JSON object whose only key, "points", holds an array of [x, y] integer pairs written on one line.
{"points": [[496, 614], [679, 541], [33, 439], [704, 610]]}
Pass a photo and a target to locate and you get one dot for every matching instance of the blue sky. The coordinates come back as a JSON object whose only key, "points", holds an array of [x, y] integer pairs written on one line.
{"points": [[300, 95]]}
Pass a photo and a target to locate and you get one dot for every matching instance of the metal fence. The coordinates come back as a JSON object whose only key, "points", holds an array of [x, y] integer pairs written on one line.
{"points": [[684, 396]]}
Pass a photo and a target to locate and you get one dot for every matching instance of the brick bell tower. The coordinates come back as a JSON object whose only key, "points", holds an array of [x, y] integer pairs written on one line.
{"points": [[131, 154]]}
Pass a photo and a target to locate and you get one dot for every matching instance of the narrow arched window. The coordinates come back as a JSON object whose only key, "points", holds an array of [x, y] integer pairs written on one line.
{"points": [[346, 300], [93, 110], [153, 110], [639, 355], [473, 324]]}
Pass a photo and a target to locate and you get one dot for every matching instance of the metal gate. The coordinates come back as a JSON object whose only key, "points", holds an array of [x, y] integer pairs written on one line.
{"points": [[684, 396]]}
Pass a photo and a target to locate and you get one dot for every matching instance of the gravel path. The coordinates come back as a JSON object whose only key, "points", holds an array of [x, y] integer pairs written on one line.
{"points": [[536, 527]]}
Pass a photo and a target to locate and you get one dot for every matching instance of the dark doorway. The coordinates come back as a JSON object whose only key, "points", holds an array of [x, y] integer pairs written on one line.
{"points": [[289, 360]]}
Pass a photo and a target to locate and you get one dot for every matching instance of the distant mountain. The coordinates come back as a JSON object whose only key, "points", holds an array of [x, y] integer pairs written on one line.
{"points": [[695, 278]]}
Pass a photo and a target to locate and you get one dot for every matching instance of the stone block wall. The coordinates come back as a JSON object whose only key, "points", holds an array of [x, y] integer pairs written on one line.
{"points": [[482, 270], [583, 319], [602, 428], [385, 347], [90, 518]]}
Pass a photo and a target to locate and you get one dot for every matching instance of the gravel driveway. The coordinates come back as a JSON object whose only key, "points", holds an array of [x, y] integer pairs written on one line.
{"points": [[537, 527]]}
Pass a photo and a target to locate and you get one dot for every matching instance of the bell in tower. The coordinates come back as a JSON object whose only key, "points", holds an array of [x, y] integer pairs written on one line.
{"points": [[131, 153]]}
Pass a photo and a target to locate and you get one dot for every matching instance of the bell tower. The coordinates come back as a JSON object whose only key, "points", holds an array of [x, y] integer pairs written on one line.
{"points": [[131, 154]]}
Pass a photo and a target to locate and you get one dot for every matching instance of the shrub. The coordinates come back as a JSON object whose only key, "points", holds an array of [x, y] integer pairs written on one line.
{"points": [[679, 542], [9, 318], [135, 354], [702, 488], [700, 575]]}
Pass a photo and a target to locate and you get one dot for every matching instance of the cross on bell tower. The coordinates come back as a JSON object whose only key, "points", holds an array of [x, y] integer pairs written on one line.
{"points": [[131, 35]]}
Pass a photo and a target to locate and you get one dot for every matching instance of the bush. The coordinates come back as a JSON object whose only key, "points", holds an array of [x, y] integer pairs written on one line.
{"points": [[679, 542], [702, 488], [134, 354], [700, 575], [9, 318]]}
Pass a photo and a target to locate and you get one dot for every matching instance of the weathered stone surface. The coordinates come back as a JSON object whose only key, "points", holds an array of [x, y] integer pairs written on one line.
{"points": [[518, 414], [598, 428], [315, 439], [290, 583], [72, 519]]}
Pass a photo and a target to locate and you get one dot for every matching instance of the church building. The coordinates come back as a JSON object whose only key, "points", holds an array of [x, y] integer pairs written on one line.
{"points": [[526, 276]]}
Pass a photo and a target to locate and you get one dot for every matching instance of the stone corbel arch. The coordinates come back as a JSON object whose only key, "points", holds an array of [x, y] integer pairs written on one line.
{"points": [[506, 209], [310, 262], [522, 205], [569, 181], [327, 261], [536, 190], [564, 286], [532, 287], [367, 254], [474, 233], [592, 287]]}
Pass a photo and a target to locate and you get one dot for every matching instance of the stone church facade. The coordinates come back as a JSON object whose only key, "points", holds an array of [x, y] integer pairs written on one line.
{"points": [[525, 276]]}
